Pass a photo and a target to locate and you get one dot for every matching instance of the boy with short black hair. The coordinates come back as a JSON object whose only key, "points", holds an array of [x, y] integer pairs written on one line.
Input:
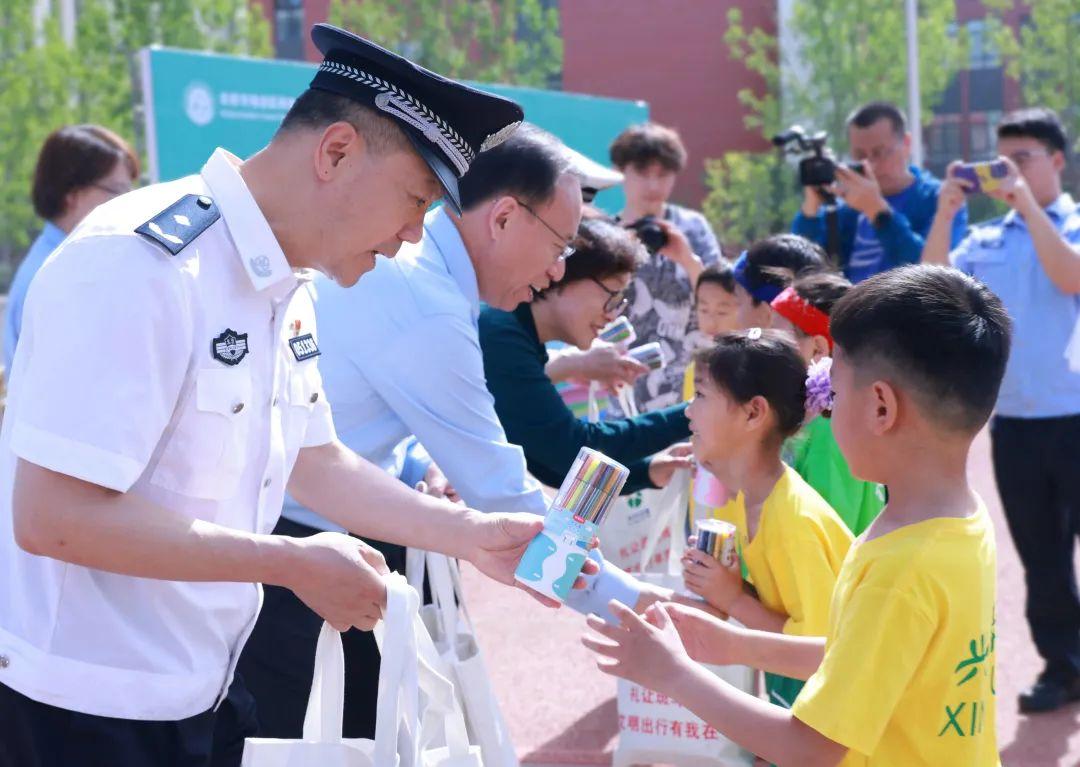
{"points": [[715, 310], [906, 673], [766, 268], [1031, 258]]}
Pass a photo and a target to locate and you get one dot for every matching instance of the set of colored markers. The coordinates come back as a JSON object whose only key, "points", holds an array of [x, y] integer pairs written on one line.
{"points": [[554, 559]]}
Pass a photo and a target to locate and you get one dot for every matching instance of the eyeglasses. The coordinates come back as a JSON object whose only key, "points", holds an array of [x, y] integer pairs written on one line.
{"points": [[877, 154], [111, 190], [568, 249], [1024, 156], [616, 301]]}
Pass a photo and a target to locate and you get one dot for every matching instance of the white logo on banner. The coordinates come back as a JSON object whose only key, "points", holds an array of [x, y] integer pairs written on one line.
{"points": [[199, 103]]}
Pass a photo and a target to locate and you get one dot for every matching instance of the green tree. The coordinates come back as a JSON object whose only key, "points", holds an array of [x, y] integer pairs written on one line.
{"points": [[1041, 54], [46, 83], [508, 41], [841, 53]]}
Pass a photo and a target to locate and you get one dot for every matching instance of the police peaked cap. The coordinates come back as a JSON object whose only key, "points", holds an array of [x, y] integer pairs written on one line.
{"points": [[448, 122]]}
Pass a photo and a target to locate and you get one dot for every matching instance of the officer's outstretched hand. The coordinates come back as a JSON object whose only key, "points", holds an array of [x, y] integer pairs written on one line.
{"points": [[499, 541], [340, 578]]}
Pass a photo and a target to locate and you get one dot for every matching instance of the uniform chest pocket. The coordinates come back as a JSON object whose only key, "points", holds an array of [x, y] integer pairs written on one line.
{"points": [[204, 456], [987, 256]]}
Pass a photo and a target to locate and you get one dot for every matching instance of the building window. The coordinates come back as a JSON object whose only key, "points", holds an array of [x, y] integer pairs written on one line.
{"points": [[289, 29], [984, 135], [983, 54], [942, 139]]}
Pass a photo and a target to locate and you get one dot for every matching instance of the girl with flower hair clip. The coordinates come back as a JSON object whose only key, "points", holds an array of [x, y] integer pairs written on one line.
{"points": [[750, 397], [802, 311]]}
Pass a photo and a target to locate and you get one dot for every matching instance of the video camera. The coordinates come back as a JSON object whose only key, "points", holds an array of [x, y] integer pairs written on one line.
{"points": [[819, 169]]}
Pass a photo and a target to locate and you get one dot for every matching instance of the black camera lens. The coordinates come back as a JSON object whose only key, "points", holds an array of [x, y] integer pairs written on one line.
{"points": [[816, 171], [651, 234]]}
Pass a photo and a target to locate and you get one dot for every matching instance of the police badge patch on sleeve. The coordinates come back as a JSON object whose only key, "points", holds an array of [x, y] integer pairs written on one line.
{"points": [[304, 347], [230, 347]]}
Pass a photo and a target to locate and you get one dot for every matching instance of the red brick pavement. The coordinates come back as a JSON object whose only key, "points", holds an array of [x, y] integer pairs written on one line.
{"points": [[561, 709]]}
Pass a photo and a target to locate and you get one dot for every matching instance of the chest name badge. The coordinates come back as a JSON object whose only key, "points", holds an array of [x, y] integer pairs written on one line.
{"points": [[304, 347], [230, 347]]}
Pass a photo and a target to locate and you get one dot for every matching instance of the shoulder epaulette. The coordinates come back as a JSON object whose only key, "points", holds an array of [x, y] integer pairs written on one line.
{"points": [[179, 224]]}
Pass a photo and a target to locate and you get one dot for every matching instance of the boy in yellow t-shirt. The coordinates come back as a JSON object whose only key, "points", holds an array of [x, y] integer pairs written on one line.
{"points": [[905, 674]]}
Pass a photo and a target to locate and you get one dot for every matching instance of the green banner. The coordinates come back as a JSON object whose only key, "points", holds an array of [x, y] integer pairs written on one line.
{"points": [[196, 102]]}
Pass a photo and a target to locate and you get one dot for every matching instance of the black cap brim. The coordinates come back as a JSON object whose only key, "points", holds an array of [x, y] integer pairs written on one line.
{"points": [[443, 172]]}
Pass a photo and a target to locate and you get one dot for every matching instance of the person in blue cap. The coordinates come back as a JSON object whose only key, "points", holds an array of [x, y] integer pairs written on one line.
{"points": [[166, 391]]}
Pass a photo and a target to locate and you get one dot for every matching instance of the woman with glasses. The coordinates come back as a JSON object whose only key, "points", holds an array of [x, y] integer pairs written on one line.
{"points": [[573, 310], [79, 167]]}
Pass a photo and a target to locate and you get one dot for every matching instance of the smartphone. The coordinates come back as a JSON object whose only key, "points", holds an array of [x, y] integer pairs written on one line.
{"points": [[984, 176]]}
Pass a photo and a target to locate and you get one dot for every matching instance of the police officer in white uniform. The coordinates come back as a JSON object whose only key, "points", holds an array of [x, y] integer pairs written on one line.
{"points": [[166, 393]]}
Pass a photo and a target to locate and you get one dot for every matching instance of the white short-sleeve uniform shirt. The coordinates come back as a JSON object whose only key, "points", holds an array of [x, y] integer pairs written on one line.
{"points": [[133, 374]]}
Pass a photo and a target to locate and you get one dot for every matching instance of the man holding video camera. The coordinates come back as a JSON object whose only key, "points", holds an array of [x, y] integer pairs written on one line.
{"points": [[886, 205], [1031, 258]]}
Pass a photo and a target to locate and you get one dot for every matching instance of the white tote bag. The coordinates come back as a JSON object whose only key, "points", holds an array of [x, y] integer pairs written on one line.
{"points": [[406, 723], [451, 628], [652, 727]]}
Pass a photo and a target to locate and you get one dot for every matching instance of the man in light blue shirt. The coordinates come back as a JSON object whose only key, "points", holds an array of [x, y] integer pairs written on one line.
{"points": [[1031, 258], [401, 356]]}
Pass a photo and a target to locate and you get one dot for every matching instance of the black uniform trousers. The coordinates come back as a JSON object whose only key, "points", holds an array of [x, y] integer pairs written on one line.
{"points": [[1037, 467], [34, 734]]}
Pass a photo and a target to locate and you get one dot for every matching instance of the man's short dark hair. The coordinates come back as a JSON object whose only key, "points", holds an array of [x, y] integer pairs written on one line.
{"points": [[641, 145], [1039, 123], [316, 109], [778, 259], [719, 273], [601, 250], [940, 334], [75, 157], [868, 114], [526, 166]]}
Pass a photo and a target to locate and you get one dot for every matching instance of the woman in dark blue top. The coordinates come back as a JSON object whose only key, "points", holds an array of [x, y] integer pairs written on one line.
{"points": [[574, 310]]}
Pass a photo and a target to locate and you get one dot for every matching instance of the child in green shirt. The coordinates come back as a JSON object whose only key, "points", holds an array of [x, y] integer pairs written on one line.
{"points": [[802, 310]]}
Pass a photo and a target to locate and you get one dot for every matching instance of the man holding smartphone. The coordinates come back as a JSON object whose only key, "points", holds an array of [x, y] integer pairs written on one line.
{"points": [[1031, 258], [886, 206]]}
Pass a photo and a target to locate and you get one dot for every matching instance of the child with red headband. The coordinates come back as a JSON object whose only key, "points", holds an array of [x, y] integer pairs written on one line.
{"points": [[802, 310]]}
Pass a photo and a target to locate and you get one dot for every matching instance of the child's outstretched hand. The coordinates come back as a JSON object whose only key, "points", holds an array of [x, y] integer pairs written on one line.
{"points": [[707, 639], [710, 580], [648, 653]]}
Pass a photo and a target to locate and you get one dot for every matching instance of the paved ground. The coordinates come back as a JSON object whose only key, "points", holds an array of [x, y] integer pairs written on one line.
{"points": [[562, 711]]}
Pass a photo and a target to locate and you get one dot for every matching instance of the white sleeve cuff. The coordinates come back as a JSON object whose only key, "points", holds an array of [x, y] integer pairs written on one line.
{"points": [[89, 463], [320, 427]]}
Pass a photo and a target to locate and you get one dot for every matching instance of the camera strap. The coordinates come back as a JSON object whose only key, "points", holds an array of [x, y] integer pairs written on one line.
{"points": [[832, 234]]}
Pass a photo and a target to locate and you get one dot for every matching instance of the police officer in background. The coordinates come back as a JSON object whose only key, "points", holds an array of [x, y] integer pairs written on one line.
{"points": [[1030, 257], [164, 395]]}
